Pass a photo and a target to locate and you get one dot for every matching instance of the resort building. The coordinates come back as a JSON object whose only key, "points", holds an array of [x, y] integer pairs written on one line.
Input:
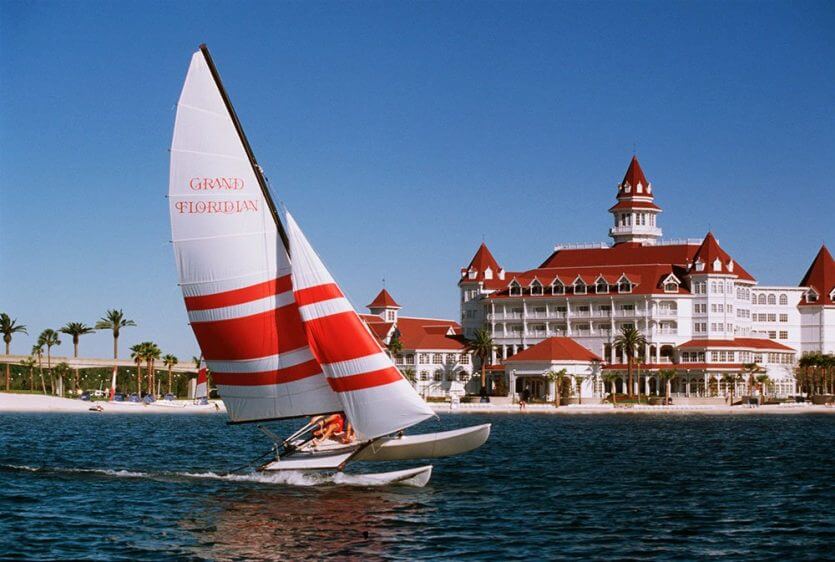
{"points": [[701, 312], [430, 352]]}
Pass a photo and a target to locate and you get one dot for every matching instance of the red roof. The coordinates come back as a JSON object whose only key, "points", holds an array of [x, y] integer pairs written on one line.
{"points": [[481, 261], [634, 176], [821, 277], [709, 252], [555, 349], [430, 333], [675, 367], [384, 300], [738, 343], [625, 204]]}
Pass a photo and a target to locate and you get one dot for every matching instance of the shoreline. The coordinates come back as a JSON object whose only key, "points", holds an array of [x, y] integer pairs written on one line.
{"points": [[38, 403]]}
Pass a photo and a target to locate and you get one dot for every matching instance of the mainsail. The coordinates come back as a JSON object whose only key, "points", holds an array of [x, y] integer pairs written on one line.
{"points": [[233, 267], [376, 398]]}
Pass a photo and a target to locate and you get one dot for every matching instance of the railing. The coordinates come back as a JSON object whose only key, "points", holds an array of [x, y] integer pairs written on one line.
{"points": [[666, 312]]}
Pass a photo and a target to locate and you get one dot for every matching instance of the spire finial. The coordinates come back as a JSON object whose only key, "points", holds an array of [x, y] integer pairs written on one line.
{"points": [[384, 282]]}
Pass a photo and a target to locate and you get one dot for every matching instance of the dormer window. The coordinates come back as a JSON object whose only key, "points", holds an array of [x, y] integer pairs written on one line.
{"points": [[501, 274], [557, 288], [515, 289], [624, 284], [731, 266], [580, 287], [717, 265], [536, 287], [700, 265], [601, 286], [671, 284], [640, 187], [488, 273], [812, 296]]}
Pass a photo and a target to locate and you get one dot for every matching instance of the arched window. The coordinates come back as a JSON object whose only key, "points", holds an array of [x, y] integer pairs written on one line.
{"points": [[784, 300], [761, 299], [772, 299]]}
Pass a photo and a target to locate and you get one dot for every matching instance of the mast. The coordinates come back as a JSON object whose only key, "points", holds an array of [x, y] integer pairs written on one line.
{"points": [[262, 181]]}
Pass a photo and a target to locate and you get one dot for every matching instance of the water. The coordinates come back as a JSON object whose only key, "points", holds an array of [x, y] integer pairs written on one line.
{"points": [[139, 487]]}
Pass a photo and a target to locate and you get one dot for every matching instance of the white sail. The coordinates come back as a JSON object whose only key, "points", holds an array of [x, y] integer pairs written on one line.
{"points": [[376, 398], [233, 268]]}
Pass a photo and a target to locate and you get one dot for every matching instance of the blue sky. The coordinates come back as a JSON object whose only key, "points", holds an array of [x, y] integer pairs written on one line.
{"points": [[401, 133]]}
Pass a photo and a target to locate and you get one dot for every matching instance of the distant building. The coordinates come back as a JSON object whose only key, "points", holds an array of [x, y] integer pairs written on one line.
{"points": [[432, 351], [701, 312]]}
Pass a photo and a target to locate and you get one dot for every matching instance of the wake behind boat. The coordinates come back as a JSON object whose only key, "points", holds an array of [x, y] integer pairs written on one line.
{"points": [[275, 329]]}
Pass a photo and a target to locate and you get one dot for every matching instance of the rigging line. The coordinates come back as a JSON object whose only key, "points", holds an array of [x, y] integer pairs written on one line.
{"points": [[249, 464]]}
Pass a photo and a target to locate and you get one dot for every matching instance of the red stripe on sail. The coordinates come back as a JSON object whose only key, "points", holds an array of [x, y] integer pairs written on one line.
{"points": [[281, 376], [253, 336], [365, 380], [340, 337], [318, 293], [240, 296]]}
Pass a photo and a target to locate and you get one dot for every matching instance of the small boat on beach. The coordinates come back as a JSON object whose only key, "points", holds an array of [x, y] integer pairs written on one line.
{"points": [[277, 332]]}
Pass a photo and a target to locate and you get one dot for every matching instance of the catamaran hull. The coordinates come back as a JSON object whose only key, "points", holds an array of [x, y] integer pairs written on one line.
{"points": [[407, 447]]}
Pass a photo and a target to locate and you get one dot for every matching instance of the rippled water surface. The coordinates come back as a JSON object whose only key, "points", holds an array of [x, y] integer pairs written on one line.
{"points": [[606, 486]]}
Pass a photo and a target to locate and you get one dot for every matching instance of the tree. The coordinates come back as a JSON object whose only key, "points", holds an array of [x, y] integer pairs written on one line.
{"points": [[9, 327], [482, 347], [410, 375], [749, 370], [395, 346], [29, 363], [152, 353], [666, 376], [763, 381], [557, 378], [631, 341], [611, 377], [37, 351], [62, 369], [137, 353], [169, 361], [578, 379], [76, 330], [114, 320], [50, 338], [730, 380]]}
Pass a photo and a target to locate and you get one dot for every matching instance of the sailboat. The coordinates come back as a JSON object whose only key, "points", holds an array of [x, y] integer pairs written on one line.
{"points": [[280, 337]]}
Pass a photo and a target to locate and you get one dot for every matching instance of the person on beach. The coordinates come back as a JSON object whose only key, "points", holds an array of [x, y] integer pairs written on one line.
{"points": [[523, 398]]}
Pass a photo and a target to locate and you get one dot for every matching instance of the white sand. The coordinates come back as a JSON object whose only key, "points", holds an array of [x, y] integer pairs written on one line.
{"points": [[41, 403], [478, 408]]}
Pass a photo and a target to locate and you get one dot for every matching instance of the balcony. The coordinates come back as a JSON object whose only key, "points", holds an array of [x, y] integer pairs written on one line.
{"points": [[635, 229]]}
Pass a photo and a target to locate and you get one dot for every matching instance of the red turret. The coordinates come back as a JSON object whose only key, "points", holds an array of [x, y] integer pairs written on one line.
{"points": [[820, 278], [635, 212]]}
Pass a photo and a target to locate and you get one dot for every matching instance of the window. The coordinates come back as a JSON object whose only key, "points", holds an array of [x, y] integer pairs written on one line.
{"points": [[784, 335], [579, 287], [465, 358], [670, 287], [438, 359], [515, 289], [714, 356], [558, 288], [772, 299], [424, 375], [772, 335], [452, 358], [784, 300], [410, 359], [438, 375], [602, 287], [390, 315], [784, 318], [772, 318], [761, 299], [424, 357], [811, 296], [624, 285], [536, 287]]}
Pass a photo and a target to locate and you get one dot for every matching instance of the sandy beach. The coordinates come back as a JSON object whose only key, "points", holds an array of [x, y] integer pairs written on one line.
{"points": [[38, 403]]}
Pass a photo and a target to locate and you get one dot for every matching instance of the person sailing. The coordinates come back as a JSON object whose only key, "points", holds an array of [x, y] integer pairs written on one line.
{"points": [[326, 427]]}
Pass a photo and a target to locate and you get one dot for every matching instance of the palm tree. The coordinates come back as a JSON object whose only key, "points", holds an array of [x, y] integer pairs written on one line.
{"points": [[666, 376], [578, 379], [762, 381], [9, 327], [37, 351], [76, 330], [611, 377], [137, 353], [62, 369], [806, 362], [152, 353], [409, 375], [750, 369], [114, 320], [482, 347], [557, 378], [29, 363], [169, 361], [631, 341], [730, 381], [50, 338]]}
